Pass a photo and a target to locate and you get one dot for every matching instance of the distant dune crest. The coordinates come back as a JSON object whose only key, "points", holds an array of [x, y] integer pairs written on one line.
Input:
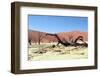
{"points": [[34, 36]]}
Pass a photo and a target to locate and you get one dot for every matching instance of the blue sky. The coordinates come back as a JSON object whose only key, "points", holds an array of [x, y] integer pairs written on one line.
{"points": [[56, 24]]}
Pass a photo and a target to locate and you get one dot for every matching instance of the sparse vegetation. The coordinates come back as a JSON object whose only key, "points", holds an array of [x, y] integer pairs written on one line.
{"points": [[45, 51]]}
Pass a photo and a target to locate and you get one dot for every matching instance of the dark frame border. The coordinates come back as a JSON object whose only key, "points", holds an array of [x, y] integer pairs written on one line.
{"points": [[15, 37]]}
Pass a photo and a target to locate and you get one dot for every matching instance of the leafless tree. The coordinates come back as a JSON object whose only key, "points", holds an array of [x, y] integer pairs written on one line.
{"points": [[29, 41], [72, 43], [40, 37]]}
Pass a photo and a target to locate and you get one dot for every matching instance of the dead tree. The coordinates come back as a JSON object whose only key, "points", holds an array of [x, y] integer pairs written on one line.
{"points": [[29, 41], [40, 37], [81, 39], [72, 43]]}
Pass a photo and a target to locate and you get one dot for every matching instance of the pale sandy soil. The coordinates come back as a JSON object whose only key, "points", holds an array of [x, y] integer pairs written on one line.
{"points": [[46, 52]]}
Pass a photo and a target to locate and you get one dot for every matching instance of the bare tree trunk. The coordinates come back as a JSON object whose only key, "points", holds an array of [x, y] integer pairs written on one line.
{"points": [[29, 41], [39, 42]]}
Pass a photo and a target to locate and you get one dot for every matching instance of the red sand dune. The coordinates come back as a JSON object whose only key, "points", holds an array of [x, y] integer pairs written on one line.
{"points": [[34, 36]]}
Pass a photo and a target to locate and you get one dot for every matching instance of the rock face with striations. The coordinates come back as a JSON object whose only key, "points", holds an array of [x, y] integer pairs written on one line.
{"points": [[35, 36]]}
